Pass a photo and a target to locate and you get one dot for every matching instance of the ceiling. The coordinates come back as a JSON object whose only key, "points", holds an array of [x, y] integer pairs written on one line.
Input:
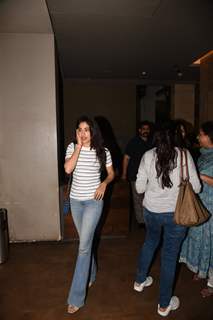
{"points": [[120, 39]]}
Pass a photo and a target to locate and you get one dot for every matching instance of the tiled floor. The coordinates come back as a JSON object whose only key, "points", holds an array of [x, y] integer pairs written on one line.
{"points": [[35, 280]]}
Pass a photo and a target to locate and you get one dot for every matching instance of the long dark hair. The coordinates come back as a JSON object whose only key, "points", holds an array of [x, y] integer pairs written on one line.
{"points": [[110, 141], [164, 140], [182, 140], [96, 139]]}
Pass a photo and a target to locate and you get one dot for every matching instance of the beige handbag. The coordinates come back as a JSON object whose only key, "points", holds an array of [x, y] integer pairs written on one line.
{"points": [[189, 210]]}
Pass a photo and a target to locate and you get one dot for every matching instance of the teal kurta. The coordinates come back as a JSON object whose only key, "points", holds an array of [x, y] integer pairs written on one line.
{"points": [[197, 248]]}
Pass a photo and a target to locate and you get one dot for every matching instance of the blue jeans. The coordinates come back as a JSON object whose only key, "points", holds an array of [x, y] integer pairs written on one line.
{"points": [[86, 215], [173, 236]]}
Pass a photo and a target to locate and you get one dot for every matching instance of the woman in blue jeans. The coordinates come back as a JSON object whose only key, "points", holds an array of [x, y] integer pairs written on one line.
{"points": [[159, 178], [86, 159]]}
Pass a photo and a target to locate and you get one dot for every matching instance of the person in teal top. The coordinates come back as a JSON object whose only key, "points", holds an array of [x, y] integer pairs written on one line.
{"points": [[197, 248]]}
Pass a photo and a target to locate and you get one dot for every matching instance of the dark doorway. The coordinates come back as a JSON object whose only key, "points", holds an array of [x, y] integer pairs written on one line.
{"points": [[153, 103]]}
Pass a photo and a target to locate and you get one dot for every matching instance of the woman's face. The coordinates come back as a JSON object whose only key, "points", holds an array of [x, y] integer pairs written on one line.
{"points": [[84, 134], [204, 139]]}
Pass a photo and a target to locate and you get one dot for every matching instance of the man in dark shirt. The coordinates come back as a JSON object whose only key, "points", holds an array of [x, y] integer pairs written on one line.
{"points": [[135, 149]]}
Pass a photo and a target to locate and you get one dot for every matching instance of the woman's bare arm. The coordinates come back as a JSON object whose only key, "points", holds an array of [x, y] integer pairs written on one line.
{"points": [[207, 179]]}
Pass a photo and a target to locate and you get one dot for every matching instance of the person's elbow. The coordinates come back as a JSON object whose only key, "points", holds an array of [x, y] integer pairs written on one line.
{"points": [[139, 186], [197, 187], [111, 174], [67, 168]]}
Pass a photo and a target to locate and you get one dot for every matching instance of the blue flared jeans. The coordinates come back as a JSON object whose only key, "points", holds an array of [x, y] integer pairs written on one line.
{"points": [[158, 224], [86, 215]]}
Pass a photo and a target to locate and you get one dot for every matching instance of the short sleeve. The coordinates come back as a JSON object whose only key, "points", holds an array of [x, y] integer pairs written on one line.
{"points": [[108, 158], [193, 175], [142, 175], [70, 150]]}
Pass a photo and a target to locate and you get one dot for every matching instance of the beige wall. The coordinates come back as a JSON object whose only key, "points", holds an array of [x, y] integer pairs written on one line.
{"points": [[183, 106], [206, 89], [114, 100], [28, 140]]}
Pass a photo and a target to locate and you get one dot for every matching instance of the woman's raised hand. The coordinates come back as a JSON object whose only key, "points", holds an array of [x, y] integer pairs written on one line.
{"points": [[78, 138]]}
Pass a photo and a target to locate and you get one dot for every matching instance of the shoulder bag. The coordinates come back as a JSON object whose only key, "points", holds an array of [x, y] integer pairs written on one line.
{"points": [[189, 210]]}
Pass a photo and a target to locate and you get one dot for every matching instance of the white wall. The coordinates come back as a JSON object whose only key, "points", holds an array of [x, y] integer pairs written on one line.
{"points": [[206, 89], [28, 140]]}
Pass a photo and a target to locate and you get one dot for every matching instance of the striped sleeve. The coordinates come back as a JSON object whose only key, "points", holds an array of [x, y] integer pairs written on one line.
{"points": [[69, 151], [108, 158]]}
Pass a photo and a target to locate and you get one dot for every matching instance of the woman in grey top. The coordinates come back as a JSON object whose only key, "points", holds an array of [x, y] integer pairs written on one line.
{"points": [[159, 178]]}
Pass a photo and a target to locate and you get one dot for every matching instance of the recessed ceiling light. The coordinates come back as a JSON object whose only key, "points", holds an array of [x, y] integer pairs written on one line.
{"points": [[179, 73]]}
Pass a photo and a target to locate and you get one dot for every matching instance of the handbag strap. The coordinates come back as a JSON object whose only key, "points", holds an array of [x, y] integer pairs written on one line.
{"points": [[183, 151], [187, 167]]}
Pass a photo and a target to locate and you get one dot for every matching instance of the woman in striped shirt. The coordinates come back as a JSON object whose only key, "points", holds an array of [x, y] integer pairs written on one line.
{"points": [[86, 160]]}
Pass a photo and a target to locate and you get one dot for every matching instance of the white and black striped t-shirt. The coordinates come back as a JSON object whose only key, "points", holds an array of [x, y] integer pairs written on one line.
{"points": [[86, 175]]}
